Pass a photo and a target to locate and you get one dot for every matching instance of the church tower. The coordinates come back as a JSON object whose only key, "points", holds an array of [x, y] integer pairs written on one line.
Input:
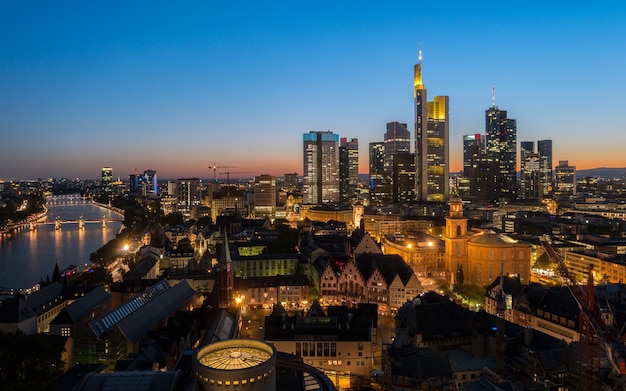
{"points": [[225, 276], [455, 238]]}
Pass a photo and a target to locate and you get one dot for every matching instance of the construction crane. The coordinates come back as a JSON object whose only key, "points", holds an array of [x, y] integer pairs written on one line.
{"points": [[215, 167], [595, 334]]}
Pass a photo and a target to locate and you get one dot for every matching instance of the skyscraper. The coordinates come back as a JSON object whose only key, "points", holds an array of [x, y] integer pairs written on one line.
{"points": [[397, 140], [379, 180], [348, 168], [436, 186], [321, 167], [431, 141], [107, 179], [530, 185], [565, 181], [264, 196], [472, 145], [544, 148], [501, 145], [188, 195], [403, 177], [421, 129]]}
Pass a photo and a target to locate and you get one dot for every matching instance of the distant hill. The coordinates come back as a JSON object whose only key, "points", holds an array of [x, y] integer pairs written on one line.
{"points": [[602, 172]]}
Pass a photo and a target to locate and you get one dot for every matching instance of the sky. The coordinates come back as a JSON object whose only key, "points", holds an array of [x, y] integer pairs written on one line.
{"points": [[178, 88]]}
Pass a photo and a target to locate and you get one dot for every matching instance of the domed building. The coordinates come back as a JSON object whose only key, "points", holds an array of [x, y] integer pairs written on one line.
{"points": [[478, 258]]}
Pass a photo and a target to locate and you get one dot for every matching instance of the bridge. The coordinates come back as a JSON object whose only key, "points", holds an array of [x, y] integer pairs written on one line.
{"points": [[81, 223], [71, 199]]}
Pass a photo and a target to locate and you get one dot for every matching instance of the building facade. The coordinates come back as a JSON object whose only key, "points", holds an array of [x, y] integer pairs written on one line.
{"points": [[501, 145], [321, 167], [348, 168], [265, 196]]}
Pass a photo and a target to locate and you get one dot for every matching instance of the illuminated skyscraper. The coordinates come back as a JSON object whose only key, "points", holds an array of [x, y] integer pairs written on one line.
{"points": [[565, 181], [431, 142], [321, 167], [472, 146], [380, 180], [501, 144], [436, 187], [529, 171], [264, 196], [397, 140], [188, 195], [348, 168], [403, 177], [544, 148], [107, 179]]}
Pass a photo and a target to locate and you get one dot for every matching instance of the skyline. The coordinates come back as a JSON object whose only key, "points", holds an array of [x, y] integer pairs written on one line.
{"points": [[171, 86]]}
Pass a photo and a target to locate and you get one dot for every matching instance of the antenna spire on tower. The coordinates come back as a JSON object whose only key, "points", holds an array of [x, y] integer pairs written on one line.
{"points": [[419, 55], [493, 96]]}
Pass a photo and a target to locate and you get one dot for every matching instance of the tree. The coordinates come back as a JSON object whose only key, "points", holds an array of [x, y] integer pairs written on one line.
{"points": [[459, 273], [30, 362]]}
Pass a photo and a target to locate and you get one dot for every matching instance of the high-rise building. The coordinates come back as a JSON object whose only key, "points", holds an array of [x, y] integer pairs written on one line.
{"points": [[421, 127], [188, 195], [321, 167], [472, 145], [501, 146], [403, 177], [529, 171], [264, 196], [431, 141], [435, 175], [291, 181], [348, 168], [379, 180], [397, 140], [565, 181], [145, 184], [107, 179], [544, 148]]}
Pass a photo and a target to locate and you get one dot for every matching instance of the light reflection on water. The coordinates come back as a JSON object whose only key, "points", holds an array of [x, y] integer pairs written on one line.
{"points": [[28, 256]]}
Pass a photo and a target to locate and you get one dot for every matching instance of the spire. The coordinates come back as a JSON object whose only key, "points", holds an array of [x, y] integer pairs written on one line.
{"points": [[224, 256], [493, 96], [417, 73], [419, 55]]}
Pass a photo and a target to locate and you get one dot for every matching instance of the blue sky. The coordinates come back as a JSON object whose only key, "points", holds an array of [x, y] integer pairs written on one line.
{"points": [[156, 85]]}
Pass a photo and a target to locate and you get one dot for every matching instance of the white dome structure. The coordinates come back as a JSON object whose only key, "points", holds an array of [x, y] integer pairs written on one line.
{"points": [[248, 364]]}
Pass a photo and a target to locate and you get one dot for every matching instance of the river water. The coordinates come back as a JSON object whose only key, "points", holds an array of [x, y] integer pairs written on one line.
{"points": [[28, 256]]}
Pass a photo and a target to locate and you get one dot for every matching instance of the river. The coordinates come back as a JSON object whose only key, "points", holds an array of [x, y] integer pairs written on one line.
{"points": [[28, 256]]}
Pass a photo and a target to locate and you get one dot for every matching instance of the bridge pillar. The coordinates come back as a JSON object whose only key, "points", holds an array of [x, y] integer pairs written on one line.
{"points": [[33, 227], [104, 222], [57, 224], [81, 224]]}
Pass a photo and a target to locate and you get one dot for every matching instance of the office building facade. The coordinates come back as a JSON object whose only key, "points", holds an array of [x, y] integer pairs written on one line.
{"points": [[501, 147], [265, 196], [321, 167], [348, 168], [431, 141]]}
